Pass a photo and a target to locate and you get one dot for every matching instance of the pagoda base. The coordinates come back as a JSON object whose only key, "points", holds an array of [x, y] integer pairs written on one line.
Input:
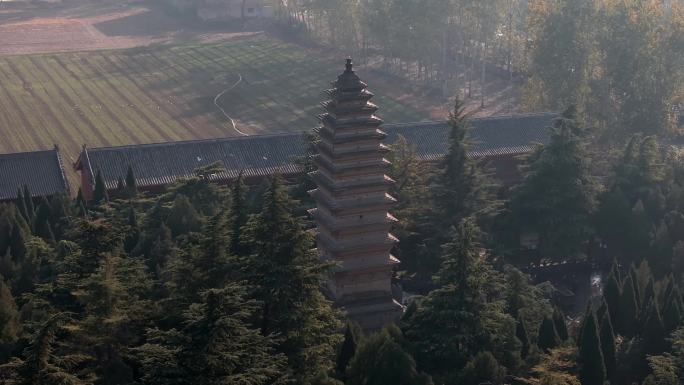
{"points": [[372, 315]]}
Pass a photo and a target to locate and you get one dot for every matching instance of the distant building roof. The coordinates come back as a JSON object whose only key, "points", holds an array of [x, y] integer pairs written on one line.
{"points": [[41, 171], [260, 155]]}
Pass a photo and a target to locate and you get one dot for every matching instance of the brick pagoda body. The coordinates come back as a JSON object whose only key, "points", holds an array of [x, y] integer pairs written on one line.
{"points": [[352, 217]]}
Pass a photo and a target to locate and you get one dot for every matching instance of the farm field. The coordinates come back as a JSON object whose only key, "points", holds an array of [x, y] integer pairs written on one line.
{"points": [[167, 93]]}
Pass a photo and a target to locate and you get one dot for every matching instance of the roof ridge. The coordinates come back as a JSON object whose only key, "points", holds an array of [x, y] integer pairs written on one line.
{"points": [[194, 141], [52, 150]]}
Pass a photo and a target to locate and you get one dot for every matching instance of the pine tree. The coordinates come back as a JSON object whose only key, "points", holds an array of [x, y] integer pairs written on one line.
{"points": [[559, 323], [523, 337], [131, 183], [10, 325], [238, 211], [380, 360], [548, 336], [628, 313], [557, 195], [347, 351], [592, 370], [608, 345], [100, 194], [288, 275]]}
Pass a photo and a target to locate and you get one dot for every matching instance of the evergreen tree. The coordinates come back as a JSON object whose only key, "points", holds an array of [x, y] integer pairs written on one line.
{"points": [[611, 295], [288, 276], [80, 204], [183, 218], [414, 226], [592, 370], [43, 228], [523, 337], [162, 251], [456, 321], [559, 323], [380, 360], [556, 197], [548, 336], [21, 205], [462, 190], [10, 325], [100, 194], [131, 184], [483, 369], [238, 211], [607, 337], [46, 359], [216, 345], [628, 313], [347, 351], [30, 208], [672, 315], [653, 332]]}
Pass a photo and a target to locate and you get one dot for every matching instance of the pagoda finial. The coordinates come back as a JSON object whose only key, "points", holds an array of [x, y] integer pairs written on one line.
{"points": [[349, 66]]}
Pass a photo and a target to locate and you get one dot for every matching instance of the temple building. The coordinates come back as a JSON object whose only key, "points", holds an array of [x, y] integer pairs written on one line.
{"points": [[352, 217], [42, 172]]}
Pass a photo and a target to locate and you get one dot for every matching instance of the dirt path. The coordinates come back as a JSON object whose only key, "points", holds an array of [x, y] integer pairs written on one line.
{"points": [[216, 99]]}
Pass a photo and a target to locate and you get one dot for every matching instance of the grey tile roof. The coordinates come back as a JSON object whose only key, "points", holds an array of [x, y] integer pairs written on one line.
{"points": [[41, 171], [163, 163]]}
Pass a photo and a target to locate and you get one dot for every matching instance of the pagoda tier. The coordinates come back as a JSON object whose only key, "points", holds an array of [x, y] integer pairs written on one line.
{"points": [[352, 217]]}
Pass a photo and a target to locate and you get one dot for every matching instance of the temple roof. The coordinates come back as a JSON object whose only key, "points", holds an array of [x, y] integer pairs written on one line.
{"points": [[41, 171], [260, 155]]}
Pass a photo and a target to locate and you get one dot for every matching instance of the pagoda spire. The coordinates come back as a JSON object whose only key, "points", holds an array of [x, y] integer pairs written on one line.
{"points": [[352, 203]]}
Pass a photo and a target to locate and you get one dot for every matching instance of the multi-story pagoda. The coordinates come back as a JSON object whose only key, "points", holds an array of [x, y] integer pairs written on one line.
{"points": [[352, 203]]}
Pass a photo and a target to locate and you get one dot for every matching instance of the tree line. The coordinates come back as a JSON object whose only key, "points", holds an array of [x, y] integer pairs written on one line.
{"points": [[217, 284], [619, 62]]}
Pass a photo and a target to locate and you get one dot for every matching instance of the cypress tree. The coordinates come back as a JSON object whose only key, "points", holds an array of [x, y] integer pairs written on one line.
{"points": [[672, 316], [238, 211], [653, 333], [347, 351], [559, 323], [628, 315], [548, 336], [611, 295], [607, 336], [100, 194], [120, 188], [30, 208], [592, 370], [21, 205], [523, 337], [131, 184], [43, 228]]}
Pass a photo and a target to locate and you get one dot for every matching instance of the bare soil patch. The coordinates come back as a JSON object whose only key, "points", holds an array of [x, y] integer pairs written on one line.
{"points": [[80, 26]]}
